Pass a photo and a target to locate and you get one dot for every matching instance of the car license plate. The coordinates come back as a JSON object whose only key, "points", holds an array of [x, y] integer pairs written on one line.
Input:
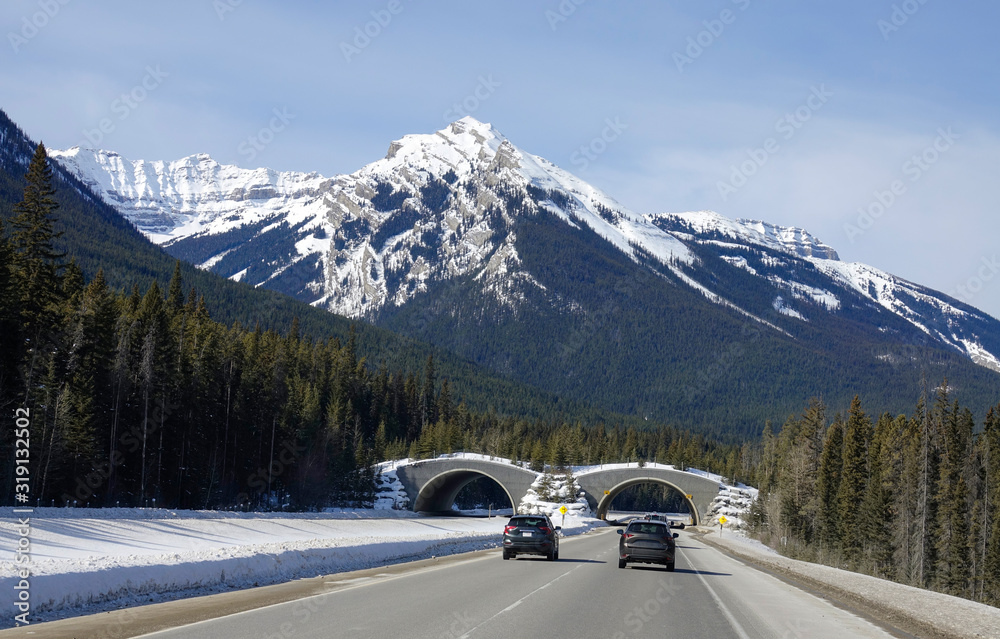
{"points": [[526, 534]]}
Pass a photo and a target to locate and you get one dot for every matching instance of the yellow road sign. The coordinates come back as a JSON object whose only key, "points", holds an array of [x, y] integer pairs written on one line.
{"points": [[563, 510], [722, 519], [688, 496], [607, 492]]}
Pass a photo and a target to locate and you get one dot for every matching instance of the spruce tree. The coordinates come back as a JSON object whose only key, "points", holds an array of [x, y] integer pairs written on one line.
{"points": [[952, 529], [10, 337], [35, 259], [175, 291], [854, 477], [876, 509], [991, 506], [828, 483]]}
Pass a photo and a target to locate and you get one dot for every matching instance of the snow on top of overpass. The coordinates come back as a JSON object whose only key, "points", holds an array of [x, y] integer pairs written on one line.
{"points": [[391, 466]]}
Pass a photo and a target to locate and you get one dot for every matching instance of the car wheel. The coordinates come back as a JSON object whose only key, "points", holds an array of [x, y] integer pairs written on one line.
{"points": [[621, 562], [670, 567], [552, 556], [556, 556], [506, 555]]}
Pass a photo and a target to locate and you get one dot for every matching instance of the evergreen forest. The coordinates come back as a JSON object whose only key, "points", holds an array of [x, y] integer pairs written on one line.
{"points": [[140, 397]]}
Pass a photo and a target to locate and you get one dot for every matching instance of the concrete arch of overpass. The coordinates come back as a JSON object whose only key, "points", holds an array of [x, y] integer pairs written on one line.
{"points": [[602, 486], [434, 484]]}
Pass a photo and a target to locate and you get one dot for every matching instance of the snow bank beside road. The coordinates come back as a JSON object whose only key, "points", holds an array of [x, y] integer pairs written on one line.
{"points": [[914, 610], [89, 560]]}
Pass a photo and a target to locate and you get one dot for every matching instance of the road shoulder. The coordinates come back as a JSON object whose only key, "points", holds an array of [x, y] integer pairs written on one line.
{"points": [[895, 606]]}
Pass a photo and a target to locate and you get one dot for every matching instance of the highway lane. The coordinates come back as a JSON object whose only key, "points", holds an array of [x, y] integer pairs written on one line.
{"points": [[582, 595]]}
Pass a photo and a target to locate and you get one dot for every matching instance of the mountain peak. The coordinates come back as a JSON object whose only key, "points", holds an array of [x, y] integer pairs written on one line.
{"points": [[460, 147]]}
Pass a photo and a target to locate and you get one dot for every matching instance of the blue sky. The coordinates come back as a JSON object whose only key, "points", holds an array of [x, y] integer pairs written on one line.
{"points": [[873, 124]]}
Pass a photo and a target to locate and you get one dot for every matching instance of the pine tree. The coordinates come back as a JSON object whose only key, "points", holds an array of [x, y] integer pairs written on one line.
{"points": [[831, 467], [175, 291], [854, 477], [952, 529], [537, 456], [924, 548], [10, 337], [428, 407], [876, 508], [991, 507], [35, 259], [905, 454], [798, 448], [571, 488]]}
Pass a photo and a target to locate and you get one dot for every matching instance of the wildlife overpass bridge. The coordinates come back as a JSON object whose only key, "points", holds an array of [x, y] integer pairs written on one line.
{"points": [[433, 484]]}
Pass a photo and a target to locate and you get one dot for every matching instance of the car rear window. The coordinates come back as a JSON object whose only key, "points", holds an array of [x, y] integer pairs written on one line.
{"points": [[531, 522], [647, 528]]}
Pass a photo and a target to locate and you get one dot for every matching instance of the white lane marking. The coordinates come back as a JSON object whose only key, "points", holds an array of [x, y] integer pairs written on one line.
{"points": [[518, 602], [358, 582], [718, 601]]}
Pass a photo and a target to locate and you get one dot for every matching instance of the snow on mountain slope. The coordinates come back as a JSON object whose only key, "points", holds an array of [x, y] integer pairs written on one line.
{"points": [[445, 205], [898, 296], [196, 194], [783, 238], [425, 212]]}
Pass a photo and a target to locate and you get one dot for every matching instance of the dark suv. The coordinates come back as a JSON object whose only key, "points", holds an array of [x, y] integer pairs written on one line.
{"points": [[530, 535], [647, 542]]}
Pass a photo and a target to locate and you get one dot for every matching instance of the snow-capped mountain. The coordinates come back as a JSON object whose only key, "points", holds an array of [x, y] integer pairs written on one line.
{"points": [[447, 205], [432, 208]]}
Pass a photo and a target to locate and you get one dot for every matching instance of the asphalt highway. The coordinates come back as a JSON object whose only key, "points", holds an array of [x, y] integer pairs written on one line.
{"points": [[583, 595]]}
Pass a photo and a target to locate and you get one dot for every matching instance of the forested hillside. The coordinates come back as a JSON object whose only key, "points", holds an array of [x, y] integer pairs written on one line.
{"points": [[909, 498], [96, 237], [143, 396]]}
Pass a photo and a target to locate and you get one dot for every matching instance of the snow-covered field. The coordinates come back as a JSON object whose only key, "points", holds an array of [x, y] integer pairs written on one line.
{"points": [[88, 560]]}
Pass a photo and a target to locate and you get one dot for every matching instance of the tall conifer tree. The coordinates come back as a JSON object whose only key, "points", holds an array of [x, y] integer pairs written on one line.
{"points": [[831, 467]]}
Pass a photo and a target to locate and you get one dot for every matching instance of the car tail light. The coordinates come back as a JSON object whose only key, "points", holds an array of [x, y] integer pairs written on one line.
{"points": [[509, 529], [545, 529], [628, 535]]}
